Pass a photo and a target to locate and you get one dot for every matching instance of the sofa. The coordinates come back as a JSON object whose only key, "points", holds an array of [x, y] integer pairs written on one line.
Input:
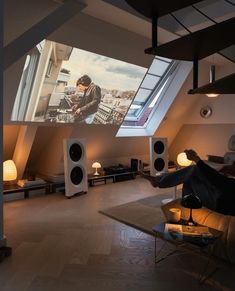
{"points": [[218, 162], [224, 247]]}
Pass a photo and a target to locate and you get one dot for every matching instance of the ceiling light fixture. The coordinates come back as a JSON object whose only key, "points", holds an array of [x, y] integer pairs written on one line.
{"points": [[212, 80]]}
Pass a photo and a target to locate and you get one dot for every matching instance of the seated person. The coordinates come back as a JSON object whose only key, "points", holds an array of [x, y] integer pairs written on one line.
{"points": [[216, 189]]}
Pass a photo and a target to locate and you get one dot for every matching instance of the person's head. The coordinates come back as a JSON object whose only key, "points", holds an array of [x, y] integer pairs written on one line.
{"points": [[83, 82]]}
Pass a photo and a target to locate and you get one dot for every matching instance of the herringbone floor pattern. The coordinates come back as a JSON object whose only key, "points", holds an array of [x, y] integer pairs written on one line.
{"points": [[65, 244]]}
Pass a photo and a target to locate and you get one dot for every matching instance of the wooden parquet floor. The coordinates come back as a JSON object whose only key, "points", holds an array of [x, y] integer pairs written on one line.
{"points": [[65, 244]]}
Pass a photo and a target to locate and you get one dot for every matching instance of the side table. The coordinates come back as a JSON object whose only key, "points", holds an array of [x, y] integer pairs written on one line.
{"points": [[103, 177], [10, 189], [200, 244]]}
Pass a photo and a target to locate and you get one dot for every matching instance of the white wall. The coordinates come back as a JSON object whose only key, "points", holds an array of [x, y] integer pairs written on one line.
{"points": [[102, 145], [223, 106], [206, 139]]}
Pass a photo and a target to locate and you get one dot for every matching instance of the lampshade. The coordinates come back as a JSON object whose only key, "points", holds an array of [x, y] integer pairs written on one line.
{"points": [[96, 165], [182, 160], [191, 201], [212, 80], [212, 95], [9, 171]]}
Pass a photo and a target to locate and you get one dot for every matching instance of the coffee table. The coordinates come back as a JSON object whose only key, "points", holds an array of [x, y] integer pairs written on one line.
{"points": [[200, 244]]}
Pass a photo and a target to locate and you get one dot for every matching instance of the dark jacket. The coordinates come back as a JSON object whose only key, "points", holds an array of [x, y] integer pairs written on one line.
{"points": [[90, 100], [226, 202]]}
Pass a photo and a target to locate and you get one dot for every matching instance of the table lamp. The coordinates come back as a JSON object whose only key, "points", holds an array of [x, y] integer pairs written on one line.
{"points": [[191, 201], [9, 172], [96, 166], [183, 161]]}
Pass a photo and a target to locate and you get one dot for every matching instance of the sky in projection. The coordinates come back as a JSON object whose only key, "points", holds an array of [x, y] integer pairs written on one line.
{"points": [[106, 72]]}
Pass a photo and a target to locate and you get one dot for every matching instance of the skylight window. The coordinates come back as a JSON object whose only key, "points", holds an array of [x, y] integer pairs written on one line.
{"points": [[155, 99], [150, 106], [149, 92]]}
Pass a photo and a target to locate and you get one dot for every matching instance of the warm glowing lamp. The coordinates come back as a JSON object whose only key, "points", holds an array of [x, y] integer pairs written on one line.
{"points": [[191, 201], [9, 171], [96, 166], [183, 161], [212, 80], [212, 95]]}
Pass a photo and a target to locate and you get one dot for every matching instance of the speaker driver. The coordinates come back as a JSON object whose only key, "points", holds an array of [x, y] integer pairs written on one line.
{"points": [[159, 147], [159, 164], [75, 152], [76, 175]]}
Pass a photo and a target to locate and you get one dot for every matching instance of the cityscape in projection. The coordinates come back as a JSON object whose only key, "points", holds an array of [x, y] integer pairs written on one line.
{"points": [[63, 84]]}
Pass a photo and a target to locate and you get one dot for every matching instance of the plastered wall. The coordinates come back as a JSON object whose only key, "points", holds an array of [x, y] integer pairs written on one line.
{"points": [[206, 139]]}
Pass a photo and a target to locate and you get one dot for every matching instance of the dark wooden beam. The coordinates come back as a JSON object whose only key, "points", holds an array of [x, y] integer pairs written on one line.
{"points": [[150, 8], [224, 85], [201, 43], [29, 39]]}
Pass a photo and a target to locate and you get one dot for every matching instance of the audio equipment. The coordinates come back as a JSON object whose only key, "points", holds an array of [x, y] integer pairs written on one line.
{"points": [[75, 172], [158, 155]]}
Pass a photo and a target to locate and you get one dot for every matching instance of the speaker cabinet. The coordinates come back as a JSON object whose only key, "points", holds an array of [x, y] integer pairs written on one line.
{"points": [[158, 155], [75, 172]]}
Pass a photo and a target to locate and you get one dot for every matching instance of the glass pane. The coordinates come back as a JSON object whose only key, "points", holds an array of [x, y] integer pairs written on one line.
{"points": [[158, 94], [150, 81], [142, 95], [133, 110], [158, 67]]}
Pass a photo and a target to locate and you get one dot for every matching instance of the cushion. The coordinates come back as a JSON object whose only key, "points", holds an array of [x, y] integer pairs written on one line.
{"points": [[231, 143], [229, 158]]}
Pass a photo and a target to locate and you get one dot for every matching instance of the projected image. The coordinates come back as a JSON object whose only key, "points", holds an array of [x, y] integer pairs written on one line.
{"points": [[62, 84]]}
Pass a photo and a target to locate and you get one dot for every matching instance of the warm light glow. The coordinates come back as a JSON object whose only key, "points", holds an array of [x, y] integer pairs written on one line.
{"points": [[182, 160], [9, 171], [96, 165], [212, 95]]}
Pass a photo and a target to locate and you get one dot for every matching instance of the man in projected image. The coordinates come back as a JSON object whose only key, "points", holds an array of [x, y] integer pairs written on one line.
{"points": [[87, 108]]}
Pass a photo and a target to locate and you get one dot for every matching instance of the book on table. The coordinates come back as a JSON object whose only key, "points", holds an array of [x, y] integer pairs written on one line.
{"points": [[187, 230]]}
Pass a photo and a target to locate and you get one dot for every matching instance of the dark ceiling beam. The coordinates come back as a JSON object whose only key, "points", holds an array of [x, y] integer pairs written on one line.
{"points": [[224, 85], [151, 8], [29, 39], [201, 43]]}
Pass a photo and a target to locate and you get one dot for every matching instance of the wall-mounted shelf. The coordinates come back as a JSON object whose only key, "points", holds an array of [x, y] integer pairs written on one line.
{"points": [[150, 8], [224, 85], [199, 44]]}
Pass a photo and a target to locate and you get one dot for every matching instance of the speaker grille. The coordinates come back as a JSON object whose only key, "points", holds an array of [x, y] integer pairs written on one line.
{"points": [[159, 147], [159, 164], [76, 175], [75, 152]]}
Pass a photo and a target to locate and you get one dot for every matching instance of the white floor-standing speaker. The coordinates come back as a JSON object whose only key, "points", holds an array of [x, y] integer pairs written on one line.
{"points": [[158, 155], [75, 172]]}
